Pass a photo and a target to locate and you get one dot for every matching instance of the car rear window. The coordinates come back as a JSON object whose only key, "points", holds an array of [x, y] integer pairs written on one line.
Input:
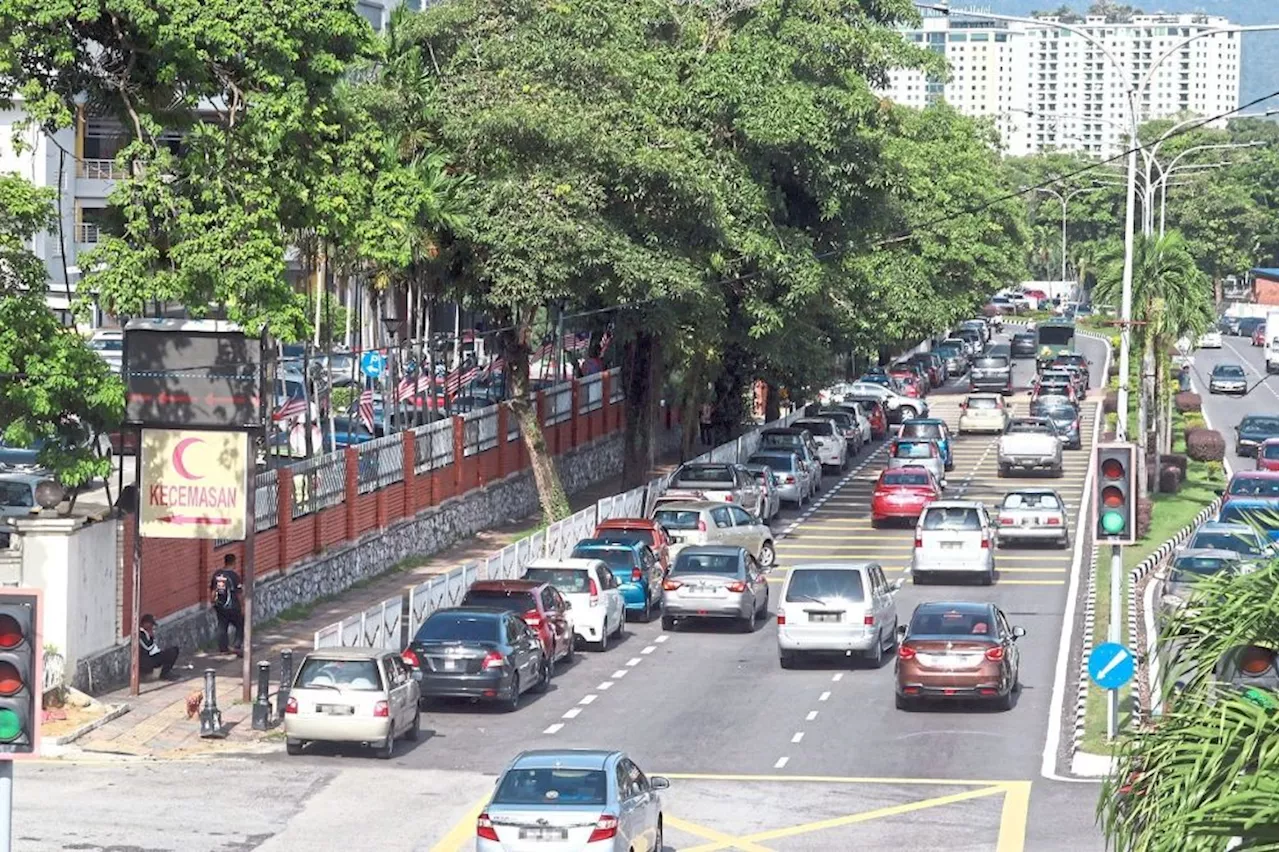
{"points": [[824, 428], [445, 626], [1024, 337], [787, 441], [900, 477], [982, 402], [705, 473], [1242, 542], [552, 786], [1032, 501], [807, 584], [1271, 451], [1188, 568], [1028, 427], [626, 536], [319, 672], [677, 519], [952, 518], [989, 363], [17, 495], [1254, 516], [705, 563], [921, 430], [500, 599], [912, 450], [1255, 486], [617, 559], [568, 580], [775, 462], [953, 623]]}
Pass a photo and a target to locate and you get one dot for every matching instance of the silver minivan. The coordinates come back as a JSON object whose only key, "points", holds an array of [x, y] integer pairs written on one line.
{"points": [[954, 538], [837, 608]]}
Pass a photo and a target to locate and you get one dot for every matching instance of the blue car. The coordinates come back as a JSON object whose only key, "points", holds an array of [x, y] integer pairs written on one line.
{"points": [[936, 430], [1258, 512], [634, 566]]}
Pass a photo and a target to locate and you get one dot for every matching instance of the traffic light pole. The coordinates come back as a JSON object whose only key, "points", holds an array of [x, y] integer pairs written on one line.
{"points": [[6, 805], [1113, 635]]}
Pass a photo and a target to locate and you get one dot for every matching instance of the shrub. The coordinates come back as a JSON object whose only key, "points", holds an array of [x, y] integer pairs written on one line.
{"points": [[1110, 402], [1177, 460], [1193, 420], [1215, 472], [1171, 478], [1113, 369], [990, 310], [1144, 517], [1206, 445], [1187, 401]]}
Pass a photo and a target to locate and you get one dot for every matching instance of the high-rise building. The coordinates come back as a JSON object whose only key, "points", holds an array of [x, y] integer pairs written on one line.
{"points": [[1049, 87]]}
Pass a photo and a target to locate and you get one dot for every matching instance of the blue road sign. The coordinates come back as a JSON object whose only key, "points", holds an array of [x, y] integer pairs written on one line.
{"points": [[372, 364], [1111, 665]]}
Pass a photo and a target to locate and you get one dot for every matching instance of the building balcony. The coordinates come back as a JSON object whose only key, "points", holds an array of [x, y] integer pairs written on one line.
{"points": [[87, 233], [91, 169]]}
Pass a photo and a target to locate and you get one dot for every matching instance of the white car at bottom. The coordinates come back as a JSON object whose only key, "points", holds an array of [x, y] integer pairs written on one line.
{"points": [[596, 608]]}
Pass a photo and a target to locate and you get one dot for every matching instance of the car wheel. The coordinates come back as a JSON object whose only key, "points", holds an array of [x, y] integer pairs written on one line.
{"points": [[603, 644], [748, 624], [989, 578], [293, 747], [767, 555], [569, 654], [1065, 543], [876, 523], [875, 657], [415, 729], [1057, 471], [646, 614], [658, 844], [544, 677], [1005, 702], [919, 579], [668, 622], [622, 624], [1003, 470], [787, 659], [512, 702], [387, 749]]}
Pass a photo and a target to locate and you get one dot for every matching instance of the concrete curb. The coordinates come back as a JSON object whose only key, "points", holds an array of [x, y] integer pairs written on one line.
{"points": [[111, 715], [1086, 646]]}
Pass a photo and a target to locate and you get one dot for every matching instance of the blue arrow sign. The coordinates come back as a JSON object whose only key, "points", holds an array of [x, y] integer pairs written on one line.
{"points": [[372, 364], [1111, 665]]}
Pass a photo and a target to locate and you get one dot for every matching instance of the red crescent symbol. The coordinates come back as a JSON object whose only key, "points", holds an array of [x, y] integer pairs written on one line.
{"points": [[178, 463]]}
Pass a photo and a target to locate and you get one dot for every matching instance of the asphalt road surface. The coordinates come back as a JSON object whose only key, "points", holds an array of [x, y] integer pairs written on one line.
{"points": [[815, 758], [1224, 412]]}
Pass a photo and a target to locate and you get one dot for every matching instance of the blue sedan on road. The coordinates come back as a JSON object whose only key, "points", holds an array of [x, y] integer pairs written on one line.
{"points": [[634, 566], [1260, 513]]}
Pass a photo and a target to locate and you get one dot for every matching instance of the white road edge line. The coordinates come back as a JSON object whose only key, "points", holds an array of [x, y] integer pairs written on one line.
{"points": [[1153, 659], [781, 762]]}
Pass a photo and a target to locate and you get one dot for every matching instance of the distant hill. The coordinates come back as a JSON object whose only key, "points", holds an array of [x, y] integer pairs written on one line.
{"points": [[1259, 60]]}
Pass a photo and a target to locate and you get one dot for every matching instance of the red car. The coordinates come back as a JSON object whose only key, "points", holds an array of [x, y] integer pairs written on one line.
{"points": [[1260, 335], [1262, 484], [1269, 454], [876, 415], [902, 494], [908, 381], [643, 530], [540, 605]]}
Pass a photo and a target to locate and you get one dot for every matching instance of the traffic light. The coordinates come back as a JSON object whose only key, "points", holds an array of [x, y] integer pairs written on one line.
{"points": [[20, 672], [1116, 495]]}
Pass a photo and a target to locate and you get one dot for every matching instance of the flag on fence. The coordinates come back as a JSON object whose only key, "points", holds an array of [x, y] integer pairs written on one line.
{"points": [[605, 340], [577, 342], [497, 365], [407, 390], [458, 379], [542, 352], [296, 406], [366, 408]]}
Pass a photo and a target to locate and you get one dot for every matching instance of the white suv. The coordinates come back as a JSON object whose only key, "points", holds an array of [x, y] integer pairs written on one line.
{"points": [[833, 449], [954, 538]]}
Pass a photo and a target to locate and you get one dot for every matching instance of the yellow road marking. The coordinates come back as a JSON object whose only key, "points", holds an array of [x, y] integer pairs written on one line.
{"points": [[719, 838], [833, 779], [1013, 817], [463, 831]]}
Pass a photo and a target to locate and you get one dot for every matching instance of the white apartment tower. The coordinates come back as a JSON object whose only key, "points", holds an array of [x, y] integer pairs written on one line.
{"points": [[1048, 87]]}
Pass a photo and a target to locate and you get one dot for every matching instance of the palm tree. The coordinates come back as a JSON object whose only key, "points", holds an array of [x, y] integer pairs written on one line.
{"points": [[1171, 298], [1204, 775]]}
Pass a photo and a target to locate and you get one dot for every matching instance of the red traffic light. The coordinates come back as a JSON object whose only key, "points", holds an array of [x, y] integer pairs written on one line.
{"points": [[1112, 469], [1112, 497], [11, 682], [11, 634]]}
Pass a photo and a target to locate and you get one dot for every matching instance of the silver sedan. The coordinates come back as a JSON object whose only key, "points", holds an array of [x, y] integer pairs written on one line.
{"points": [[715, 582]]}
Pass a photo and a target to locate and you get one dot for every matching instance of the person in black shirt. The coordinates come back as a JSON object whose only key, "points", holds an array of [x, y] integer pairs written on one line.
{"points": [[151, 656], [225, 589]]}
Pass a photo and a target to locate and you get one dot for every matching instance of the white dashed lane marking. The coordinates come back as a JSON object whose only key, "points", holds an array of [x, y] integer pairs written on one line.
{"points": [[781, 762], [571, 713], [554, 728]]}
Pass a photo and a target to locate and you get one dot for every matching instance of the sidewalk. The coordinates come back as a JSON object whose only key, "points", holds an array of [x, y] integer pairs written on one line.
{"points": [[157, 724]]}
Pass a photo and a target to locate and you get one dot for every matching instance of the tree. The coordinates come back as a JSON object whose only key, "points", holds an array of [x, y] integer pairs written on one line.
{"points": [[55, 392]]}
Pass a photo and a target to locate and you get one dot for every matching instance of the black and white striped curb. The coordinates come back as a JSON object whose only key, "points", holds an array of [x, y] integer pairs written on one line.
{"points": [[1086, 647]]}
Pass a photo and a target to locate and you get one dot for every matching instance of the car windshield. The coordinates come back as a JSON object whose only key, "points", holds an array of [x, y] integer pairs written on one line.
{"points": [[1188, 568], [912, 450], [1261, 425], [318, 672], [107, 344], [706, 563], [901, 477], [567, 580], [1244, 543], [512, 601], [16, 495], [823, 428], [552, 786], [982, 402], [705, 473], [775, 462], [952, 519], [1057, 407], [812, 585], [1028, 427], [1032, 501], [1229, 371], [776, 440], [1025, 337], [953, 623], [1255, 486], [948, 350], [458, 627], [678, 519]]}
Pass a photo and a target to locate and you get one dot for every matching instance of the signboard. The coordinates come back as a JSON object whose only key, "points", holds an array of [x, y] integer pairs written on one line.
{"points": [[191, 374], [372, 364], [1111, 665], [193, 484]]}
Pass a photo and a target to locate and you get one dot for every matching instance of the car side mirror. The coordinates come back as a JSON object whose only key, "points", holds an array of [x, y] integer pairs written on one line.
{"points": [[943, 483], [1019, 632], [901, 632], [899, 583], [658, 782]]}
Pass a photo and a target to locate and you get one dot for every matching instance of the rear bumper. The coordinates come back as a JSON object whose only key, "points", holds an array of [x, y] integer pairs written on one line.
{"points": [[589, 626], [881, 511], [952, 566], [483, 685], [968, 424], [1030, 462], [336, 729], [1031, 533], [790, 492], [1001, 385], [736, 606], [833, 638]]}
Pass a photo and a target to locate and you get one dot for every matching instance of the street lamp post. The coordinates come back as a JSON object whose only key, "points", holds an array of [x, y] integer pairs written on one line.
{"points": [[1063, 199]]}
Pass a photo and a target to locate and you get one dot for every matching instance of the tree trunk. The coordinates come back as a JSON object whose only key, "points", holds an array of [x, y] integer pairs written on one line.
{"points": [[729, 406], [515, 352], [772, 408], [1158, 411], [641, 376]]}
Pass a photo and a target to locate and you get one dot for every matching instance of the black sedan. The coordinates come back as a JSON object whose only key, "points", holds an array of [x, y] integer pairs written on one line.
{"points": [[480, 653], [1254, 430], [1023, 344]]}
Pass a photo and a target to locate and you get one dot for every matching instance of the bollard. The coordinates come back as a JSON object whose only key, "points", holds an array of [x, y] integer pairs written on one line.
{"points": [[210, 715], [262, 705], [286, 679]]}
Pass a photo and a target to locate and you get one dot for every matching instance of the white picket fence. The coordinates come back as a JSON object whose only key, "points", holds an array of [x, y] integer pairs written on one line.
{"points": [[379, 626]]}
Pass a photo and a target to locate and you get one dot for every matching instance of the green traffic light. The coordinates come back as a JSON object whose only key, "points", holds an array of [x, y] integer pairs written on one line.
{"points": [[1113, 522], [10, 726]]}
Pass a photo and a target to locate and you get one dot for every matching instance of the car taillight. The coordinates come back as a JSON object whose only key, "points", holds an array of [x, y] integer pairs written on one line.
{"points": [[1075, 424], [790, 480], [1054, 521], [606, 828], [1254, 660], [995, 654], [702, 526], [879, 493], [382, 709], [1006, 522], [919, 543], [485, 829], [906, 652], [737, 586], [869, 620], [636, 575], [782, 618], [986, 543], [593, 591], [291, 706], [533, 618], [671, 585], [492, 660], [409, 658]]}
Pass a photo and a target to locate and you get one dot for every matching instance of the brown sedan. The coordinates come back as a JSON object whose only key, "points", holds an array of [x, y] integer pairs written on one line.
{"points": [[957, 650]]}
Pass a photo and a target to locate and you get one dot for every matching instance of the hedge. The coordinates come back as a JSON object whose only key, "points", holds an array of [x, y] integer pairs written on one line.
{"points": [[1110, 402], [1144, 517], [1187, 401], [1177, 460], [1171, 478], [1206, 445]]}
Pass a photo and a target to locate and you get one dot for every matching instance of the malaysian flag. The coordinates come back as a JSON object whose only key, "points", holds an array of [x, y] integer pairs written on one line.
{"points": [[458, 379], [605, 340], [542, 352], [407, 390], [577, 342], [295, 407], [365, 408], [495, 366]]}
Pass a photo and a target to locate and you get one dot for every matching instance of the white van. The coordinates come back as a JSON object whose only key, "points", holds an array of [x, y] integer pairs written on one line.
{"points": [[837, 608], [954, 537]]}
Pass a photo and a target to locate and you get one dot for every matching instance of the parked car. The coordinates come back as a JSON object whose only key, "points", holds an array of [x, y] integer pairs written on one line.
{"points": [[1228, 378], [954, 356], [792, 477], [596, 608], [572, 799], [898, 406], [978, 325], [847, 424], [876, 413], [933, 365], [364, 696], [1253, 430], [992, 373], [108, 344], [837, 608], [909, 381], [1023, 344], [715, 581], [1268, 455], [957, 650], [634, 566], [954, 538], [1032, 514], [643, 530], [765, 477], [1262, 513], [18, 493], [798, 441], [1241, 538], [484, 654], [1186, 569], [918, 452], [934, 429], [697, 524], [1029, 443], [728, 483], [903, 493], [833, 450], [1065, 416], [541, 606], [983, 412]]}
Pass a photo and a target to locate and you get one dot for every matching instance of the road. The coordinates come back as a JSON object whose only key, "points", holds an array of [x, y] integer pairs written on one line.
{"points": [[1223, 412], [815, 758]]}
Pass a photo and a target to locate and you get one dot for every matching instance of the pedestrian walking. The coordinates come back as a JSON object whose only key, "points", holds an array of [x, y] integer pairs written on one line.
{"points": [[225, 589], [152, 656], [704, 423]]}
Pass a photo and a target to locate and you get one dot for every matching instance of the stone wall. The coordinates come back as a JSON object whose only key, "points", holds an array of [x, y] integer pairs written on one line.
{"points": [[429, 532]]}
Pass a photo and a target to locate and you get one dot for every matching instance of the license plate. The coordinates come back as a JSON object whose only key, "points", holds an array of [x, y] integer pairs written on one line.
{"points": [[336, 709], [450, 665], [824, 617], [544, 834], [1027, 522], [952, 545]]}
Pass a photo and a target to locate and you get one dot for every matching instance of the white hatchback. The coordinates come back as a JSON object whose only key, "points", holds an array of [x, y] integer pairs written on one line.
{"points": [[954, 538], [597, 610]]}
